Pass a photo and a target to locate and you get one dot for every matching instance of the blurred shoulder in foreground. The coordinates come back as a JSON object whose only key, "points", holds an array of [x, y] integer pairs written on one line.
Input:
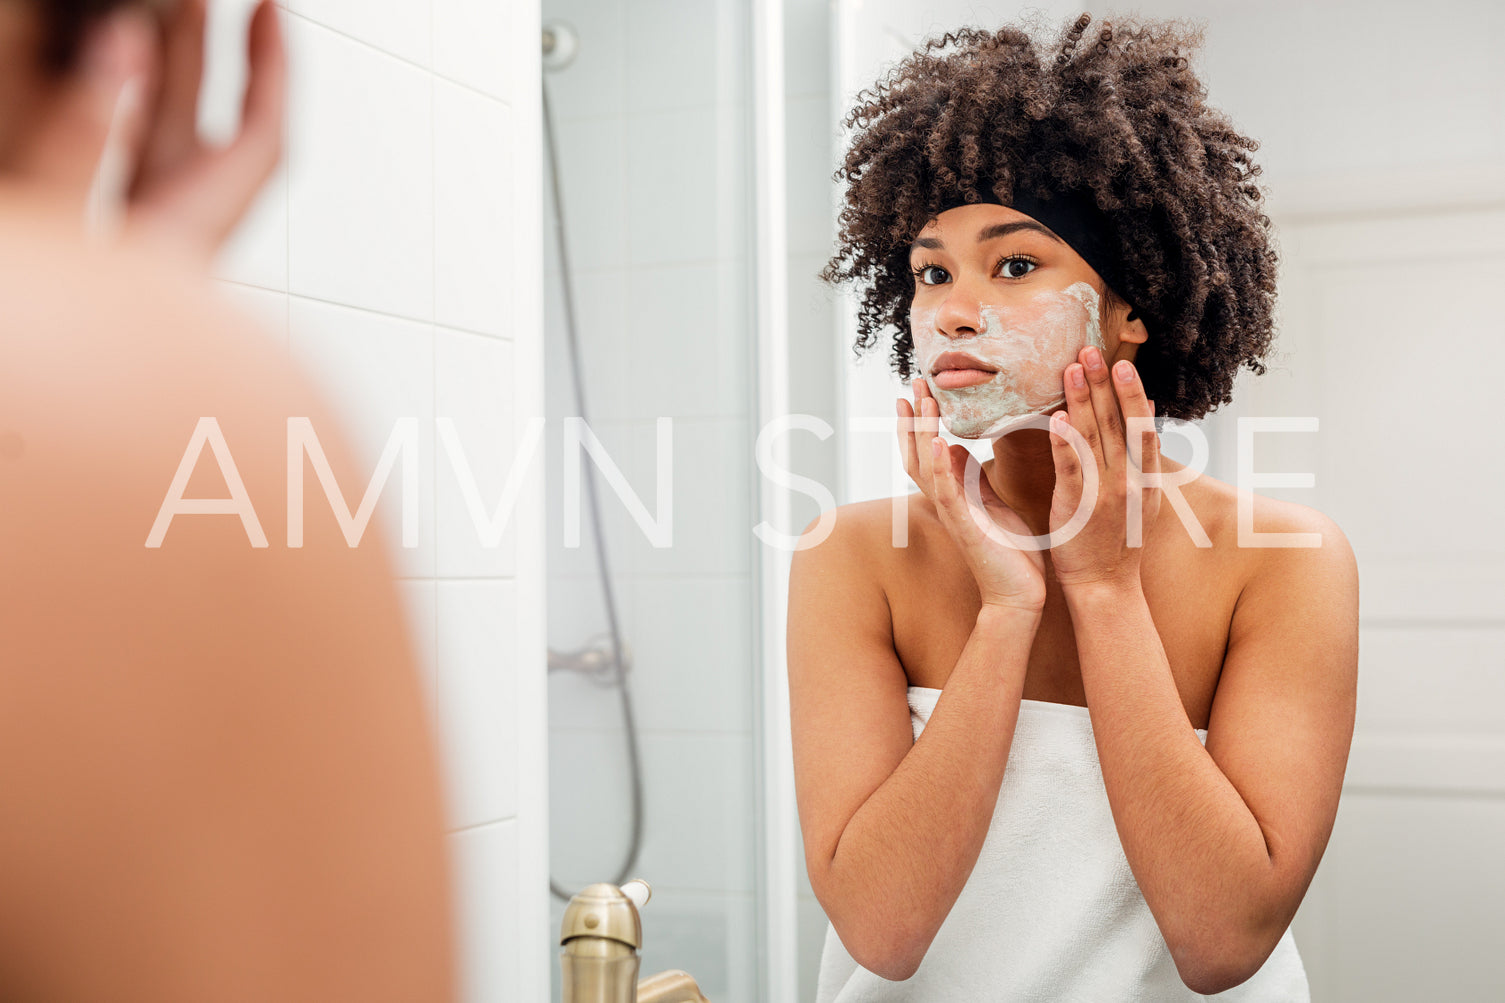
{"points": [[218, 775]]}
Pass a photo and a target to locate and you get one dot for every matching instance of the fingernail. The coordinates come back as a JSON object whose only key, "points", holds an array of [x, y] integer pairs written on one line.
{"points": [[1094, 359], [1125, 371], [1077, 380]]}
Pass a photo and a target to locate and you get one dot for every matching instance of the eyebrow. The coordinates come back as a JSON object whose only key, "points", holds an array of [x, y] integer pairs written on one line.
{"points": [[994, 232]]}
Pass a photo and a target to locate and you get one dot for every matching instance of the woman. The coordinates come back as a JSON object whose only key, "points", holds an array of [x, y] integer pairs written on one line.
{"points": [[1103, 766], [218, 777]]}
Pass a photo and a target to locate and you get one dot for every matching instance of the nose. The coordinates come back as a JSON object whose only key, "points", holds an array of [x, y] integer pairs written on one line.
{"points": [[960, 314]]}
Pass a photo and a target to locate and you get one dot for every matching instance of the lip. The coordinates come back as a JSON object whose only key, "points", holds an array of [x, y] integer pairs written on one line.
{"points": [[960, 360], [957, 379], [956, 370]]}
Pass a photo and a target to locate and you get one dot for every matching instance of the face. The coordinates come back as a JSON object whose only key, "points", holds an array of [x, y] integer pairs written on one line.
{"points": [[1001, 307]]}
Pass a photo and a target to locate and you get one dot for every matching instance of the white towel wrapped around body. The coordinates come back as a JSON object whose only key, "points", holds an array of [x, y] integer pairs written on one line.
{"points": [[1051, 912]]}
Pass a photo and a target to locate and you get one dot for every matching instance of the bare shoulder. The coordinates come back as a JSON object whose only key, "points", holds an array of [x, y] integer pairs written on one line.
{"points": [[871, 539], [186, 693], [89, 323], [1265, 535], [1261, 524], [116, 369], [855, 531]]}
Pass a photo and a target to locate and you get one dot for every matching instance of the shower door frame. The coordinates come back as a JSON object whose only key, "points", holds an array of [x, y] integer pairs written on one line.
{"points": [[778, 859]]}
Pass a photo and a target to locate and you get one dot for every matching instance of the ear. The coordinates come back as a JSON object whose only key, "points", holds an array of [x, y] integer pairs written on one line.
{"points": [[1132, 330], [66, 146]]}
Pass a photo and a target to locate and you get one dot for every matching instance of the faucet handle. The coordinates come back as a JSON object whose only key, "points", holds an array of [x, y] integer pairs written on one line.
{"points": [[602, 912], [639, 891]]}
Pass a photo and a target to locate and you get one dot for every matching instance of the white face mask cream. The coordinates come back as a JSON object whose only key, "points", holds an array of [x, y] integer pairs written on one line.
{"points": [[1027, 346]]}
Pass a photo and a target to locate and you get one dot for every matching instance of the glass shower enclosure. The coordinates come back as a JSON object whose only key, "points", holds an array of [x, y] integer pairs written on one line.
{"points": [[654, 608]]}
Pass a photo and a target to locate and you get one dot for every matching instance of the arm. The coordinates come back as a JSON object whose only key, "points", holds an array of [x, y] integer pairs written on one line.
{"points": [[892, 827], [1224, 841]]}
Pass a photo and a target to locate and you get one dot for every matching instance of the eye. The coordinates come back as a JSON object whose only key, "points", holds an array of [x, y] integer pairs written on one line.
{"points": [[1010, 268], [932, 275]]}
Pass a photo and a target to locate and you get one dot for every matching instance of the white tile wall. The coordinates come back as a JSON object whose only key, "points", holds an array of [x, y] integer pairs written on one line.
{"points": [[477, 698], [476, 384], [396, 253], [361, 182], [491, 927], [672, 53], [717, 931], [590, 802], [600, 306], [474, 180], [594, 86], [378, 370], [688, 324], [475, 43], [257, 253], [403, 29], [683, 155], [687, 633], [593, 171], [712, 525], [702, 833]]}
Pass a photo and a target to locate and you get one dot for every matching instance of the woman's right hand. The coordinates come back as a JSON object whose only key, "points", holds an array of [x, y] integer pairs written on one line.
{"points": [[1005, 574], [183, 191]]}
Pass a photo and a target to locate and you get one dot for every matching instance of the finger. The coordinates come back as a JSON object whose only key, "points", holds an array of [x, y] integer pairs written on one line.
{"points": [[65, 150], [1135, 404], [925, 439], [264, 109], [1081, 413], [174, 135], [905, 426], [1105, 406], [970, 503], [1149, 453], [208, 196], [946, 492], [1068, 464], [956, 463]]}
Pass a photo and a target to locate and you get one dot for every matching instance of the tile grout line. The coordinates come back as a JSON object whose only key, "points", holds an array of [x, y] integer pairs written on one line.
{"points": [[399, 59]]}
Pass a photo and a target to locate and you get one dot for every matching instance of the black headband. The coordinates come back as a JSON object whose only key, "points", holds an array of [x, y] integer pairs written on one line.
{"points": [[1075, 218]]}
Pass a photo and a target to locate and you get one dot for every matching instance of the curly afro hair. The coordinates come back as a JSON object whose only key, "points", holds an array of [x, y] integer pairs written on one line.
{"points": [[1119, 116]]}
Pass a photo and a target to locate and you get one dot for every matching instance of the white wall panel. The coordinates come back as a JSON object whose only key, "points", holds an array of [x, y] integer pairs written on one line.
{"points": [[409, 196]]}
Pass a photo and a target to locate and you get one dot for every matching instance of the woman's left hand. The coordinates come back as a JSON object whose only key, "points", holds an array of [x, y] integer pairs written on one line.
{"points": [[1100, 552]]}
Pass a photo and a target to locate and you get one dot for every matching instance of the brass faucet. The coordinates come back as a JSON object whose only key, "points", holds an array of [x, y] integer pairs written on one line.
{"points": [[601, 934]]}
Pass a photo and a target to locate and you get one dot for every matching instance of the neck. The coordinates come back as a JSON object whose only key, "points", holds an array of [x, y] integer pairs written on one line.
{"points": [[1023, 474]]}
